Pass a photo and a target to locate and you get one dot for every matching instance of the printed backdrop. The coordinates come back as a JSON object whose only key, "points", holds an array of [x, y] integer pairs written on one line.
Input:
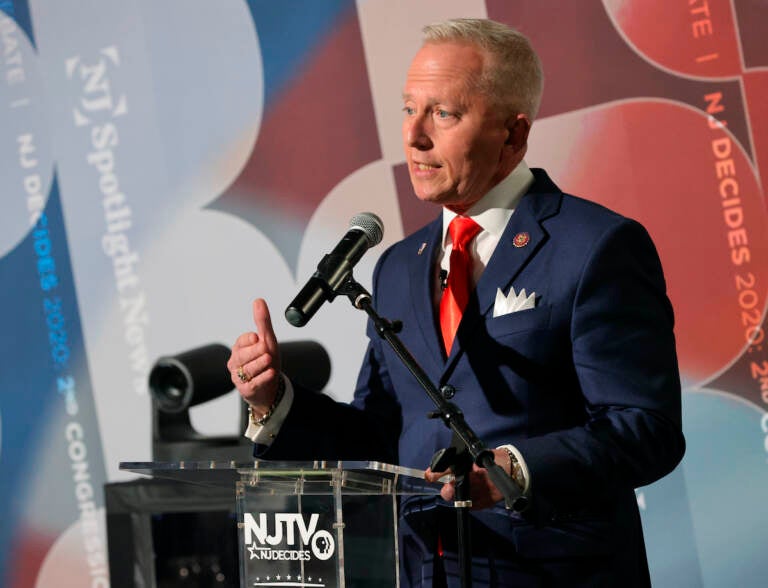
{"points": [[163, 163]]}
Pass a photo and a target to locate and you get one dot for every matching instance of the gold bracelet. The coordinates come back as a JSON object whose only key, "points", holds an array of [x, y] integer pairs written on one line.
{"points": [[262, 420]]}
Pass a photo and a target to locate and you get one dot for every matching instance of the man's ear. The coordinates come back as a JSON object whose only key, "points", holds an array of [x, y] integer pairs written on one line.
{"points": [[516, 144], [518, 127]]}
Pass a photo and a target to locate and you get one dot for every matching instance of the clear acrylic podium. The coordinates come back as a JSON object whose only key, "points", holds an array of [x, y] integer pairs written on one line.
{"points": [[309, 524]]}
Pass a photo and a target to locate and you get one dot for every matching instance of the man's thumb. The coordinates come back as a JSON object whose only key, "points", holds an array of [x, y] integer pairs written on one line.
{"points": [[264, 323]]}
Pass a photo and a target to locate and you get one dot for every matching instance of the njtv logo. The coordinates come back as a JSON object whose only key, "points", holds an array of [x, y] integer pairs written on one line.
{"points": [[290, 533]]}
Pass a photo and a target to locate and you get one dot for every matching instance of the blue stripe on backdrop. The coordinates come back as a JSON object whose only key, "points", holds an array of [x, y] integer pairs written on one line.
{"points": [[670, 540], [288, 36], [22, 391], [40, 310], [725, 469], [18, 10]]}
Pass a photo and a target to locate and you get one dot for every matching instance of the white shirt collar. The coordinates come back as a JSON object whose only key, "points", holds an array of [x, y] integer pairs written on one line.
{"points": [[493, 211]]}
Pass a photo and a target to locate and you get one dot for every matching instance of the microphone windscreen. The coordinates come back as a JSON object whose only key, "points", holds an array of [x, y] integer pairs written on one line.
{"points": [[371, 225]]}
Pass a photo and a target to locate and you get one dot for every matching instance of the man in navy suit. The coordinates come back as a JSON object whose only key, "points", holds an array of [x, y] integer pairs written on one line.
{"points": [[557, 343]]}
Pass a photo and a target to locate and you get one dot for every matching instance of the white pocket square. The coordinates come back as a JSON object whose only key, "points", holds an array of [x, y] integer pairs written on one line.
{"points": [[513, 302]]}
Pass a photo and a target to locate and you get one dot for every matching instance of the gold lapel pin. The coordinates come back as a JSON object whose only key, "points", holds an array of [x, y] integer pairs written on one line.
{"points": [[521, 240], [422, 248]]}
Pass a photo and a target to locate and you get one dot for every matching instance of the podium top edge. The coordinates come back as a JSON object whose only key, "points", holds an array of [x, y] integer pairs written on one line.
{"points": [[264, 466], [296, 476]]}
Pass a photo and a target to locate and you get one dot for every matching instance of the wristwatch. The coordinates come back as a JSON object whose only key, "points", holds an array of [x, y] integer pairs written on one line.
{"points": [[516, 470], [517, 474]]}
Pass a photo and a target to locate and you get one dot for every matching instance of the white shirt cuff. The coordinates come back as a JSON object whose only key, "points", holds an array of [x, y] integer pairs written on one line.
{"points": [[266, 433]]}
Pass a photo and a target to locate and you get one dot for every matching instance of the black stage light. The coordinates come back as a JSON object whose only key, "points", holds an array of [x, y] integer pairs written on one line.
{"points": [[192, 377], [178, 382]]}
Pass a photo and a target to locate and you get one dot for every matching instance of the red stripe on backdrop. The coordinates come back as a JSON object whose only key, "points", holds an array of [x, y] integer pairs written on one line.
{"points": [[752, 17], [587, 62], [697, 38], [694, 189], [756, 93], [317, 131], [28, 553]]}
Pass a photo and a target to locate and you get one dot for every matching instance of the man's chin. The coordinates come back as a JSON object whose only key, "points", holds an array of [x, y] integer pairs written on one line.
{"points": [[450, 201], [428, 198], [427, 195]]}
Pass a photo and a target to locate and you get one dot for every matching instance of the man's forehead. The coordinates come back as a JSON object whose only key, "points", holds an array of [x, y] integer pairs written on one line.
{"points": [[445, 65], [445, 53], [434, 58]]}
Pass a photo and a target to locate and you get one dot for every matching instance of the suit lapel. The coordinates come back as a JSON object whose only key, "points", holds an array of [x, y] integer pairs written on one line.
{"points": [[420, 279], [523, 238]]}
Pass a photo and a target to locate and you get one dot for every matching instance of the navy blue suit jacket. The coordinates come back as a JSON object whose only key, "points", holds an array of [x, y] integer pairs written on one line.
{"points": [[585, 384]]}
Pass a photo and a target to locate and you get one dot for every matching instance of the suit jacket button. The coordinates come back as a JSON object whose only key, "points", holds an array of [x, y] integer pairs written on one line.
{"points": [[448, 391]]}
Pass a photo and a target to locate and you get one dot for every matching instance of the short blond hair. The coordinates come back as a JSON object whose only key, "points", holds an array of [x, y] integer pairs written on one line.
{"points": [[514, 76]]}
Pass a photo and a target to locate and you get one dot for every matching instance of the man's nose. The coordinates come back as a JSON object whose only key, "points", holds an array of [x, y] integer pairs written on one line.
{"points": [[416, 133]]}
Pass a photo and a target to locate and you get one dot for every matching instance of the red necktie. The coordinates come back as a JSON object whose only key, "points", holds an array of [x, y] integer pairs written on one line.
{"points": [[462, 230]]}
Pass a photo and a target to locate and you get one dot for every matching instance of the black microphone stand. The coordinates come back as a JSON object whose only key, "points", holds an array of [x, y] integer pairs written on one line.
{"points": [[466, 448]]}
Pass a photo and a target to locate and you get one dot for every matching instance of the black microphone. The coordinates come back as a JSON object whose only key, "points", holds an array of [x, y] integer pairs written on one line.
{"points": [[443, 279], [365, 231]]}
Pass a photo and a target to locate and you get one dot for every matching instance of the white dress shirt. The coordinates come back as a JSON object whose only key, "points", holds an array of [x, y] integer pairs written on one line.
{"points": [[492, 212]]}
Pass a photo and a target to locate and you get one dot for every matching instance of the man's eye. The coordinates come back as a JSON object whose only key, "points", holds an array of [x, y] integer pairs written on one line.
{"points": [[440, 113], [408, 110]]}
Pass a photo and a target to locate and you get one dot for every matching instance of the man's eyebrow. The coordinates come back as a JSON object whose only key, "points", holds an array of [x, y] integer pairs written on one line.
{"points": [[430, 99], [458, 104]]}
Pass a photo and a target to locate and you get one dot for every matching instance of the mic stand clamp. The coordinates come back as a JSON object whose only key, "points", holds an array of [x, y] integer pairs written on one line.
{"points": [[457, 459], [466, 448]]}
